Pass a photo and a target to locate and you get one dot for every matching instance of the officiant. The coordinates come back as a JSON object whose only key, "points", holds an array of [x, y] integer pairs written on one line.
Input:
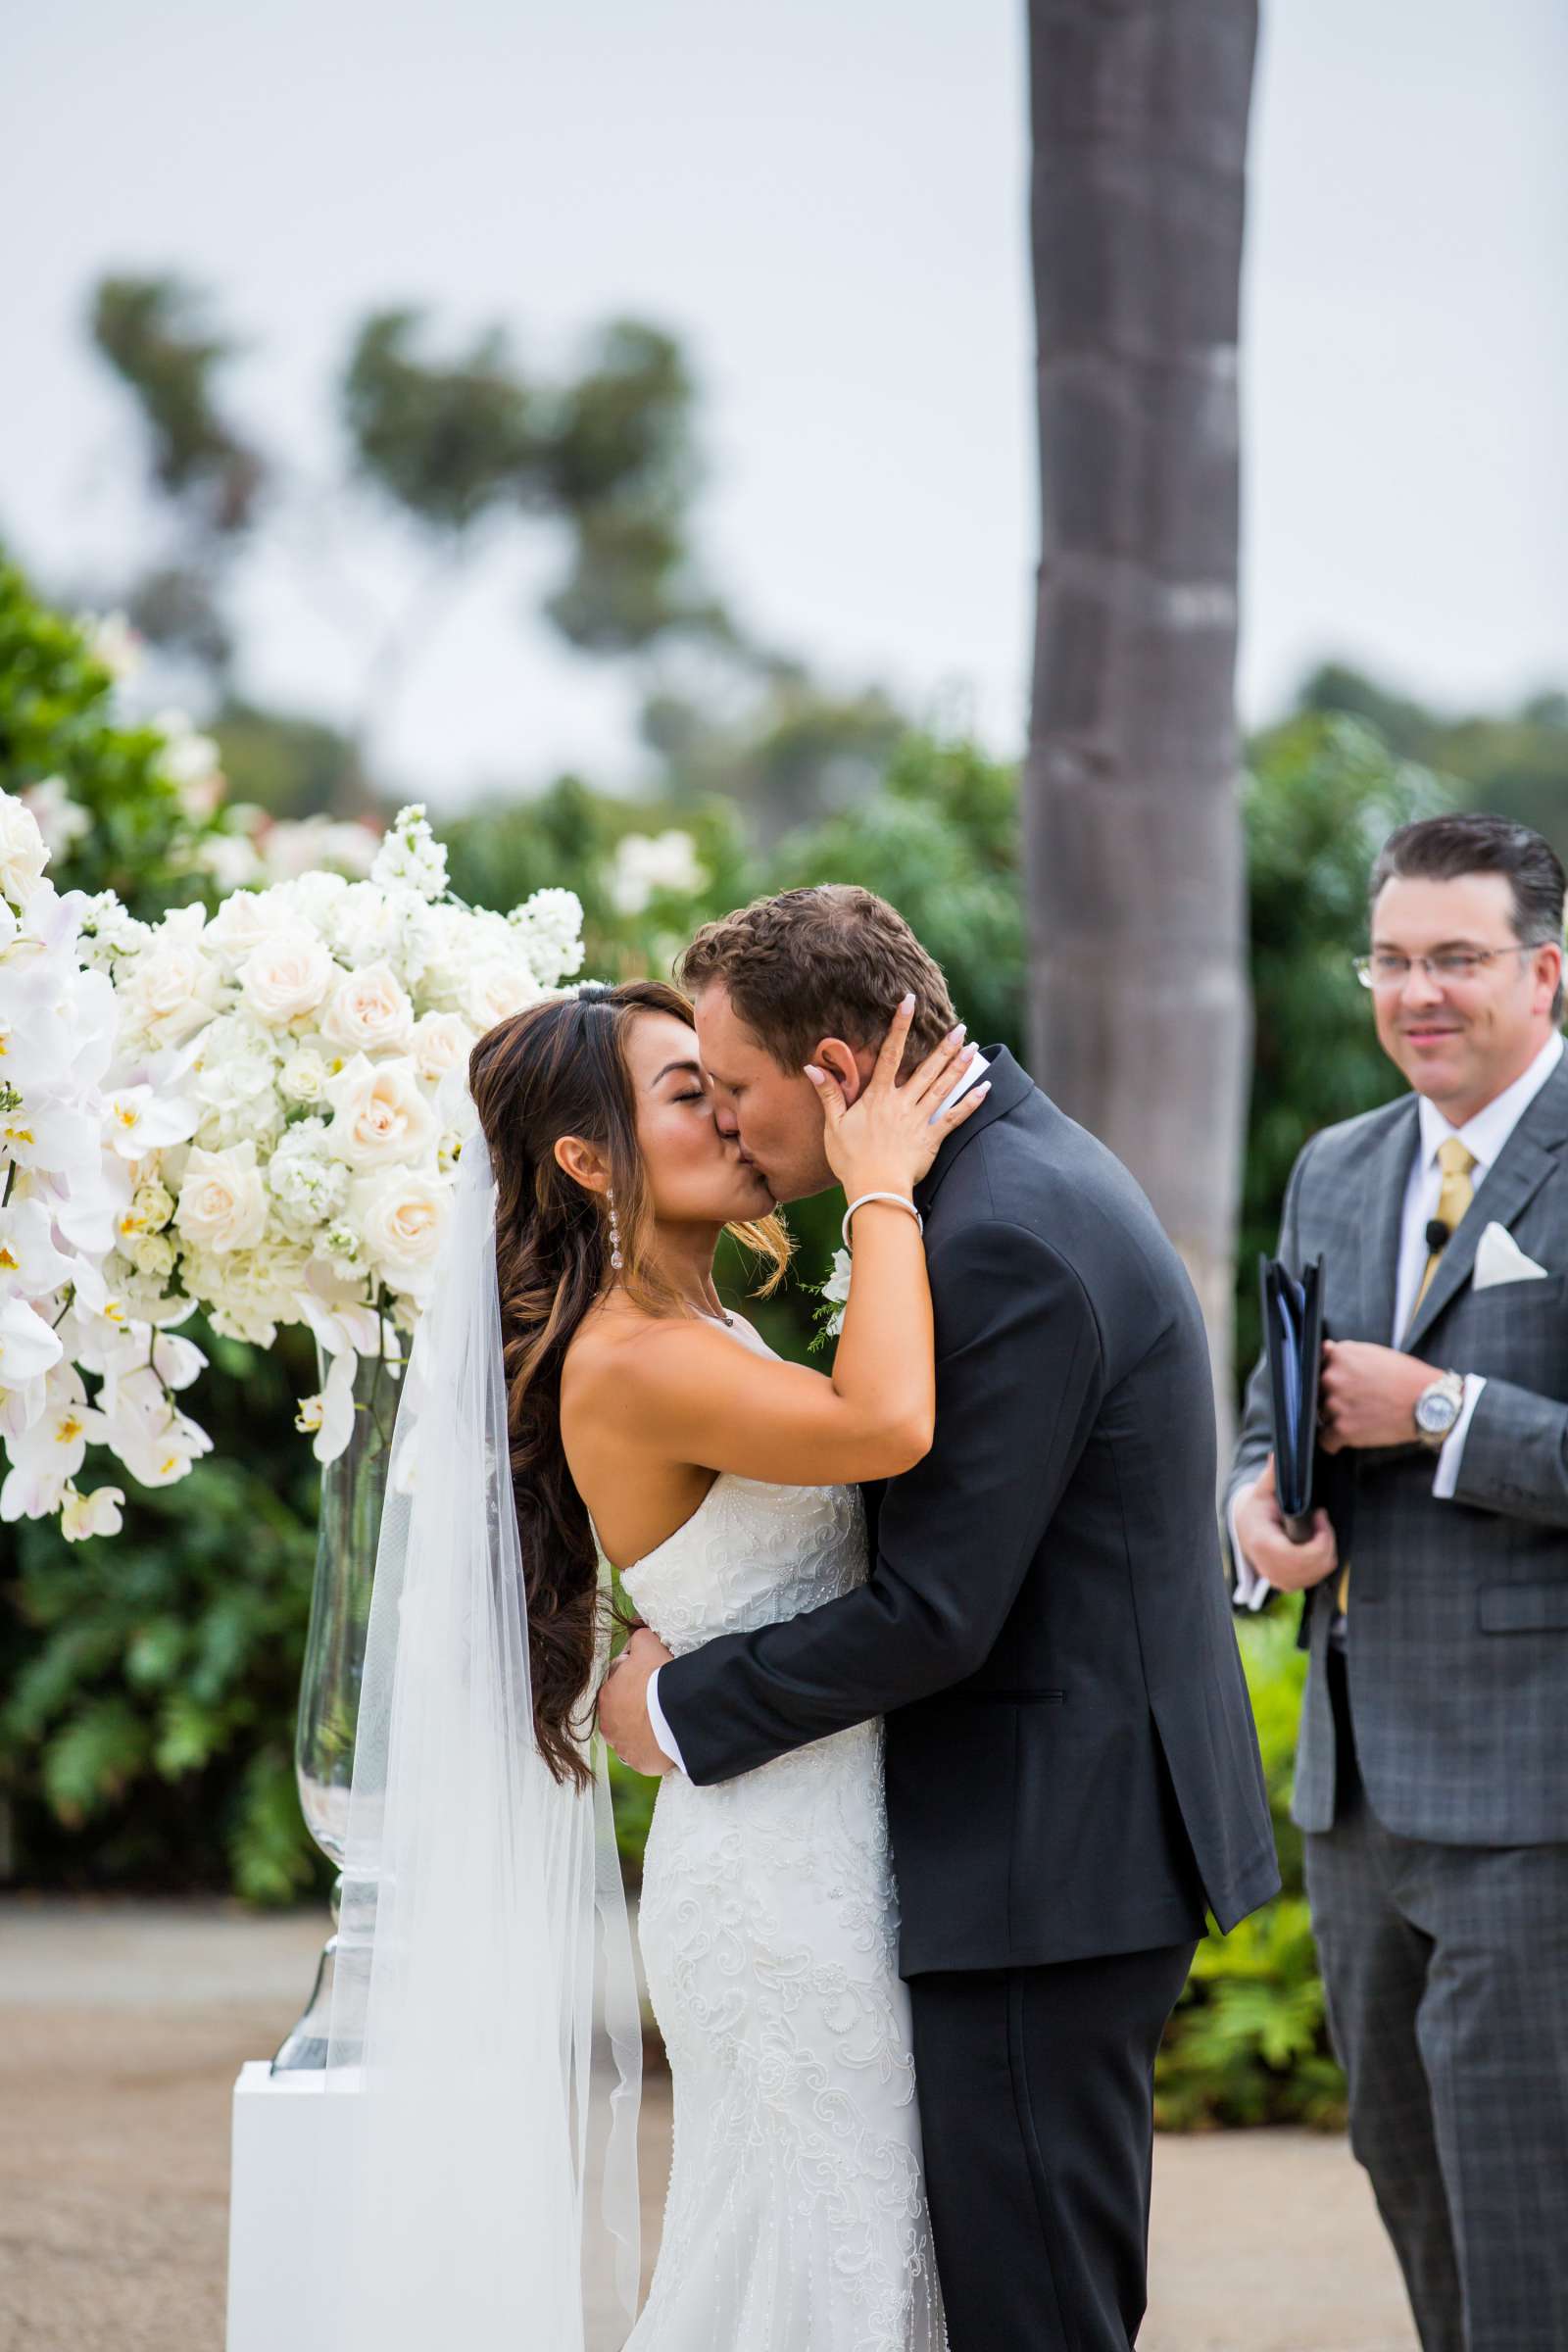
{"points": [[1432, 1776]]}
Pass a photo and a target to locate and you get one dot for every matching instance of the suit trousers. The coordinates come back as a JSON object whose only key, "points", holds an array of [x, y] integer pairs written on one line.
{"points": [[1037, 2120], [1445, 1972]]}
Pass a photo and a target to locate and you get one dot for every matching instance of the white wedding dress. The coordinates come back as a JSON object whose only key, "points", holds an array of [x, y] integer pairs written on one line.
{"points": [[796, 2219]]}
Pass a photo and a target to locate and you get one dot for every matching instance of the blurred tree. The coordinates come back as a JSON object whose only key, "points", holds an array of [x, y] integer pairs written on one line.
{"points": [[1516, 765], [791, 753], [1138, 1012], [289, 764], [1323, 793]]}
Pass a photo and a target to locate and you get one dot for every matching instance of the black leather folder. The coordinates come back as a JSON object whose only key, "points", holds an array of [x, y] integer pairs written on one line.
{"points": [[1292, 1337]]}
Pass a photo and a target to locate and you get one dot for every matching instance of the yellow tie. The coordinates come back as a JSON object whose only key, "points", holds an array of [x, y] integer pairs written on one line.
{"points": [[1454, 1196]]}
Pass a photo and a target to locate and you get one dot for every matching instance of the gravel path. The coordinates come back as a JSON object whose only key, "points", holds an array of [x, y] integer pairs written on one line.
{"points": [[123, 2026]]}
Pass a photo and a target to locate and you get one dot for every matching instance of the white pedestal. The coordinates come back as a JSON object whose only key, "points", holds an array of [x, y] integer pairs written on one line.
{"points": [[282, 2221]]}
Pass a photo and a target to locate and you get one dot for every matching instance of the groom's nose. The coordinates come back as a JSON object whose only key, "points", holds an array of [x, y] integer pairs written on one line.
{"points": [[724, 1118]]}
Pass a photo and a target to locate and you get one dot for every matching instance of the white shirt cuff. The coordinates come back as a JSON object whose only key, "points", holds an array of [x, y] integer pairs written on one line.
{"points": [[1251, 1590], [657, 1724], [1446, 1477]]}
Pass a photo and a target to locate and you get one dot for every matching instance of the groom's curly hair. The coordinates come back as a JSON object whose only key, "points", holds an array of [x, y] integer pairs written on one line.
{"points": [[833, 961]]}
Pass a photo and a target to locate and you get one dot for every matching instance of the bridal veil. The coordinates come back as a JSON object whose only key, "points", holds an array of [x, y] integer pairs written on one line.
{"points": [[485, 2034]]}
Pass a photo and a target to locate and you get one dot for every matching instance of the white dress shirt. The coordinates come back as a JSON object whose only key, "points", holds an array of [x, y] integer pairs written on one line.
{"points": [[974, 1071], [1483, 1137]]}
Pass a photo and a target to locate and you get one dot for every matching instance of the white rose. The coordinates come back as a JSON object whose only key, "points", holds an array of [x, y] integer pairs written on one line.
{"points": [[284, 977], [245, 919], [173, 989], [441, 1042], [495, 990], [222, 1202], [154, 1256], [378, 1114], [402, 1219], [370, 1011], [22, 854]]}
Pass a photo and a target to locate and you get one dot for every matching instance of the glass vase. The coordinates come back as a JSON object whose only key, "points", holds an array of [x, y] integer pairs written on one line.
{"points": [[353, 1491]]}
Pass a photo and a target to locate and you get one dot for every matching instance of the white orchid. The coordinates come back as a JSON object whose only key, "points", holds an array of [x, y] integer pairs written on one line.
{"points": [[138, 1119], [94, 1514], [328, 1417]]}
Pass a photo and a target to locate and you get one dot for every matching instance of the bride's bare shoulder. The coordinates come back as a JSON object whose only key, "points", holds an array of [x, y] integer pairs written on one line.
{"points": [[629, 1347]]}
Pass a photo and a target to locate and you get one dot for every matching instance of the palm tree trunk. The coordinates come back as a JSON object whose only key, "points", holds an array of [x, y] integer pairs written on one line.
{"points": [[1139, 1013]]}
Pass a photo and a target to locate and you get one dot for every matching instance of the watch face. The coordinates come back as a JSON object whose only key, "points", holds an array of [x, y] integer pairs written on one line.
{"points": [[1435, 1412]]}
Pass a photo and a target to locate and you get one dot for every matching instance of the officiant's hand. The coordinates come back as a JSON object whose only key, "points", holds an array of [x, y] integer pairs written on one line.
{"points": [[623, 1705], [1368, 1394], [1260, 1532]]}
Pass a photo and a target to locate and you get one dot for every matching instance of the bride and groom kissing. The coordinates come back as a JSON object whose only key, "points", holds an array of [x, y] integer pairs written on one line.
{"points": [[936, 1656]]}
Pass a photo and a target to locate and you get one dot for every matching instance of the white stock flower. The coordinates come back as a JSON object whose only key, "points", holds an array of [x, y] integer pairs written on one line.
{"points": [[94, 1514], [368, 1013], [379, 1117], [548, 928], [286, 976], [649, 864], [441, 1042], [402, 1218], [23, 852], [222, 1205], [110, 932], [410, 857]]}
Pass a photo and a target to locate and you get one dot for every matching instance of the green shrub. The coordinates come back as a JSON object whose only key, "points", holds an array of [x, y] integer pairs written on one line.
{"points": [[1249, 2043]]}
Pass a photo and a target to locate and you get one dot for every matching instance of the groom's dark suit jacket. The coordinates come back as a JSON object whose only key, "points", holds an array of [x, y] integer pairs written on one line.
{"points": [[1072, 1763]]}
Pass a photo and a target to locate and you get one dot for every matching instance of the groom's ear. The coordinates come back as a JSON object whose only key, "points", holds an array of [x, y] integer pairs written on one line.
{"points": [[851, 1069]]}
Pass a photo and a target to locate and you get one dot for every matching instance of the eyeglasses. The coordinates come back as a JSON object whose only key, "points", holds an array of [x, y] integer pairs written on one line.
{"points": [[1454, 967]]}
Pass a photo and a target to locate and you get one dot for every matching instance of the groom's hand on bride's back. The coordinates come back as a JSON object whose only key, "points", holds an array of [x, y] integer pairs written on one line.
{"points": [[623, 1705]]}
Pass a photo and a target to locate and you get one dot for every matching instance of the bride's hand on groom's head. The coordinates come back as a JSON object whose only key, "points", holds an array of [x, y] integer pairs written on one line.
{"points": [[887, 1139]]}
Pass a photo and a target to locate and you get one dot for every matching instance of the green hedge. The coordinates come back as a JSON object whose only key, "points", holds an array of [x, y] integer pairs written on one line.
{"points": [[1249, 2043]]}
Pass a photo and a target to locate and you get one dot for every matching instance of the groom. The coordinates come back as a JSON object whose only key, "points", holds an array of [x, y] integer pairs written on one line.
{"points": [[1072, 1771]]}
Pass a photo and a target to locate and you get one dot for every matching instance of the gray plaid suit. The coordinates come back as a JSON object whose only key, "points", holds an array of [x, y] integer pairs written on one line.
{"points": [[1435, 1794]]}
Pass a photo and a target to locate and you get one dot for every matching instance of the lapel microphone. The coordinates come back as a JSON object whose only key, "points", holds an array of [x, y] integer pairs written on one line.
{"points": [[1438, 1236]]}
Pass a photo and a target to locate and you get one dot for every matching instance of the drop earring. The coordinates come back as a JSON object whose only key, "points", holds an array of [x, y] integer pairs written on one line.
{"points": [[615, 1258]]}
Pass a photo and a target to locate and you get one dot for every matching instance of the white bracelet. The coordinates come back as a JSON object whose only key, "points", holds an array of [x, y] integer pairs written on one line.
{"points": [[896, 1197]]}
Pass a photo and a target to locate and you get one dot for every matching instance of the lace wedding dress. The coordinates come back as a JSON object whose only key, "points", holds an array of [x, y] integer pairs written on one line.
{"points": [[795, 2219]]}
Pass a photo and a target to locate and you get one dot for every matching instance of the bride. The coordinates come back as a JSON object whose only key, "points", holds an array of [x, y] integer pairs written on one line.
{"points": [[578, 1395]]}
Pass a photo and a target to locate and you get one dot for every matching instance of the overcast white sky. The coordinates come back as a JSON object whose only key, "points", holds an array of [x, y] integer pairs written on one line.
{"points": [[827, 202]]}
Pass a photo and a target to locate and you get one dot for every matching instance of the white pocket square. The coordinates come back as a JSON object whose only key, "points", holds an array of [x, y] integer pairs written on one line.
{"points": [[1500, 1258]]}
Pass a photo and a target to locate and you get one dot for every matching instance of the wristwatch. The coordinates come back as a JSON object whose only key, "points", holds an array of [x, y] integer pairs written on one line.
{"points": [[1438, 1408]]}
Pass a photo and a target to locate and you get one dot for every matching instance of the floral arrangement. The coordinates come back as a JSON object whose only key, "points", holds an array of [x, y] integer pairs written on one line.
{"points": [[65, 1179], [278, 1094]]}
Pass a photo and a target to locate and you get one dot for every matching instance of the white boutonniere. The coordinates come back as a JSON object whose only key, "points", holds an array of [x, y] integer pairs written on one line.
{"points": [[832, 1297]]}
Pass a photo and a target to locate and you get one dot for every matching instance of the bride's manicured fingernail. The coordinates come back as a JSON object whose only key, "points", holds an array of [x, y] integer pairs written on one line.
{"points": [[816, 1076], [908, 1005], [957, 1036]]}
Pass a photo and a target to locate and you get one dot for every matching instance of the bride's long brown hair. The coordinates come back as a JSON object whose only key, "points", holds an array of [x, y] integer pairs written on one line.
{"points": [[560, 1068]]}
